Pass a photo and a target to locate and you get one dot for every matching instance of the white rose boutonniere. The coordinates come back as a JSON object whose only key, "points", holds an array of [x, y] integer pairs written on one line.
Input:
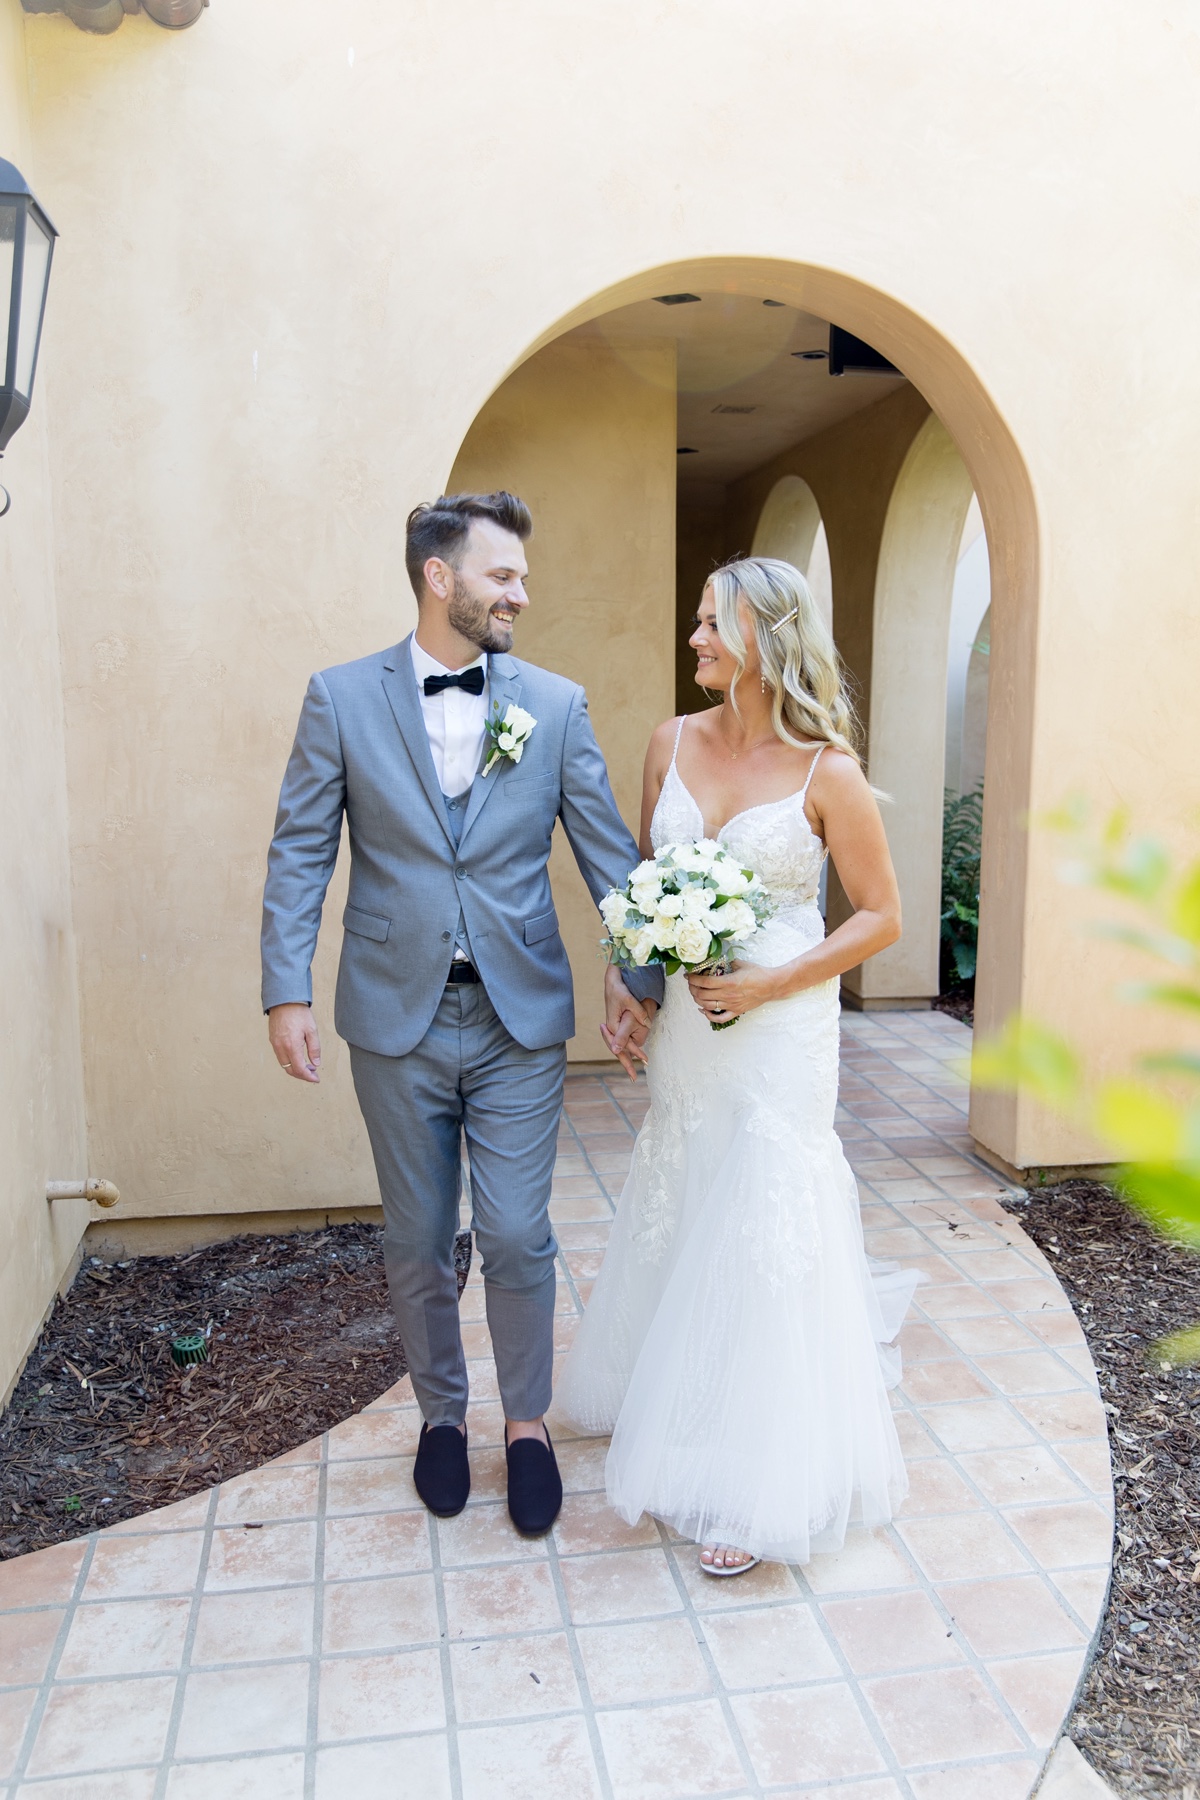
{"points": [[507, 734]]}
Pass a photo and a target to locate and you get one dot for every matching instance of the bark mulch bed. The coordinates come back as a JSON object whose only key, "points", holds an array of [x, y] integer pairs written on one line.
{"points": [[1138, 1716], [959, 1002], [103, 1426]]}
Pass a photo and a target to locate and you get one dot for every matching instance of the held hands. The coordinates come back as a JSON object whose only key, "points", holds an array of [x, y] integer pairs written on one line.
{"points": [[627, 1022], [723, 997], [295, 1042]]}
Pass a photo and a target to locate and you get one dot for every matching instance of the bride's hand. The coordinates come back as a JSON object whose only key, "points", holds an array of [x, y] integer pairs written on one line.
{"points": [[728, 996]]}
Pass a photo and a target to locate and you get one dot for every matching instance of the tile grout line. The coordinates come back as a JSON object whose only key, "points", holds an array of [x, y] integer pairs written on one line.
{"points": [[719, 1690], [318, 1627], [854, 1681], [46, 1686], [451, 1726], [1037, 1567], [592, 1169], [185, 1656], [591, 1723]]}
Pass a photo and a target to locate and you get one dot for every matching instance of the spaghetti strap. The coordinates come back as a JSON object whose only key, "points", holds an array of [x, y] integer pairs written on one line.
{"points": [[811, 771], [678, 735]]}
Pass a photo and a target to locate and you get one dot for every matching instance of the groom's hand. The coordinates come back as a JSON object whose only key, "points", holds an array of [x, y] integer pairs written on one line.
{"points": [[295, 1042], [627, 1022]]}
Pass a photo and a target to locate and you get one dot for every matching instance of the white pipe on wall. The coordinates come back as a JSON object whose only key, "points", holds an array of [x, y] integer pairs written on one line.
{"points": [[104, 1193]]}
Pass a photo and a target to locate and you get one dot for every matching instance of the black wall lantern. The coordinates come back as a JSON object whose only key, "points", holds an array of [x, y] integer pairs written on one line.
{"points": [[26, 251]]}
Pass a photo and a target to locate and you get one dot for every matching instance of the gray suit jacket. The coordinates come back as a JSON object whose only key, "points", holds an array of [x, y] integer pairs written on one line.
{"points": [[361, 749]]}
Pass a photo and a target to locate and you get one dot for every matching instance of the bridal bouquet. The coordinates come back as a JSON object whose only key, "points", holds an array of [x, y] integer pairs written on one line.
{"points": [[687, 908]]}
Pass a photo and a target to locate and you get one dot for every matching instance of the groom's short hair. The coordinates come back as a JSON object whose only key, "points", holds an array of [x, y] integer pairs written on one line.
{"points": [[441, 528]]}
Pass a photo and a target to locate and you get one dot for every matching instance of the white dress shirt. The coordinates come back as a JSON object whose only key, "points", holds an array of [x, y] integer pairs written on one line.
{"points": [[454, 722]]}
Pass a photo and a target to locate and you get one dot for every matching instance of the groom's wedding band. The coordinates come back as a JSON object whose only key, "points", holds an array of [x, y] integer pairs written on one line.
{"points": [[287, 1065]]}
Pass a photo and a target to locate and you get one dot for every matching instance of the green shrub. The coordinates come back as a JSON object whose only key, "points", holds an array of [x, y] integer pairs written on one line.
{"points": [[962, 831]]}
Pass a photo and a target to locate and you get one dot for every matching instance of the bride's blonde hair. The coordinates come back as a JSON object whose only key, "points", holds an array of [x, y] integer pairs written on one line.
{"points": [[795, 649]]}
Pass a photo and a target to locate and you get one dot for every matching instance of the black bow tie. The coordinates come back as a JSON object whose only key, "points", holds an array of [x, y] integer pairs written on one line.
{"points": [[469, 680]]}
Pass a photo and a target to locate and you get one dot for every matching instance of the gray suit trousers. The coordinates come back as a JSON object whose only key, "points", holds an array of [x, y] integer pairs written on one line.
{"points": [[468, 1076]]}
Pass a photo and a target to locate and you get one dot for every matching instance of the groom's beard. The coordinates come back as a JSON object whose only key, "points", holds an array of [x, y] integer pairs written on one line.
{"points": [[471, 617]]}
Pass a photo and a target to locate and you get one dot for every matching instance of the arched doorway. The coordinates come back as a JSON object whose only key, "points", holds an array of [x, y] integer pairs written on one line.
{"points": [[907, 717], [790, 527], [671, 391]]}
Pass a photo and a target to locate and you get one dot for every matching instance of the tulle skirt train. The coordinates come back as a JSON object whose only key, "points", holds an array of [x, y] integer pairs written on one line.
{"points": [[735, 1343]]}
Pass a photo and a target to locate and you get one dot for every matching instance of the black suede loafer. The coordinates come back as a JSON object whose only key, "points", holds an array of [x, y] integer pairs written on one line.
{"points": [[534, 1485], [441, 1473]]}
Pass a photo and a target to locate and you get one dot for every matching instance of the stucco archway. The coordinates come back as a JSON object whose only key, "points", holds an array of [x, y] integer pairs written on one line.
{"points": [[907, 716], [969, 446], [790, 527]]}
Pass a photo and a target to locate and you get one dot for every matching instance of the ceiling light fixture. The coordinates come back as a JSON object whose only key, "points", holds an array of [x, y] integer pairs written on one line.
{"points": [[811, 355], [687, 450], [850, 355], [677, 299]]}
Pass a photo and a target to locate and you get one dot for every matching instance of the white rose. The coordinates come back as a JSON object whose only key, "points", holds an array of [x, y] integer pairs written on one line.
{"points": [[692, 941], [696, 902], [646, 871], [519, 722], [613, 908], [663, 932], [731, 880], [646, 896], [736, 918], [517, 752], [640, 944], [506, 741], [671, 905]]}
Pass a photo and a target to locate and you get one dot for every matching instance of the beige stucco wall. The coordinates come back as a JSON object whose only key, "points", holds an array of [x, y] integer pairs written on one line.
{"points": [[289, 280], [587, 438], [42, 1128]]}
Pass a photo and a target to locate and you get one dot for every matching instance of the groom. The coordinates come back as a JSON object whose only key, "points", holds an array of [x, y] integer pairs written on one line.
{"points": [[454, 991]]}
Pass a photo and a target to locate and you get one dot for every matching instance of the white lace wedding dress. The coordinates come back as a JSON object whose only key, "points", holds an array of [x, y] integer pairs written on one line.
{"points": [[734, 1343]]}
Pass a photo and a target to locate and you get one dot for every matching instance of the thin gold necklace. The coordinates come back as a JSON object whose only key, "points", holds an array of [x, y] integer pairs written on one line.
{"points": [[733, 755]]}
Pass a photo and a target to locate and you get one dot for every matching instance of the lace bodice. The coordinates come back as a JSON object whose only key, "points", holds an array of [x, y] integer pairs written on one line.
{"points": [[775, 839]]}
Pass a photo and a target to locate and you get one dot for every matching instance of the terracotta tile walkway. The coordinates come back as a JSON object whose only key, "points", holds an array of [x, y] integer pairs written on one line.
{"points": [[308, 1630]]}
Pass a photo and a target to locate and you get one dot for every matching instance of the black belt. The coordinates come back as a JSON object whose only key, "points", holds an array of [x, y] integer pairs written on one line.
{"points": [[462, 973]]}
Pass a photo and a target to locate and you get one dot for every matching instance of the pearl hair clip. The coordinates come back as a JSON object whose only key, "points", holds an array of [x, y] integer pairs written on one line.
{"points": [[780, 623]]}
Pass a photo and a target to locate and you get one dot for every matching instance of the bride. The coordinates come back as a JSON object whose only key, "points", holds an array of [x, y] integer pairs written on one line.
{"points": [[734, 1342]]}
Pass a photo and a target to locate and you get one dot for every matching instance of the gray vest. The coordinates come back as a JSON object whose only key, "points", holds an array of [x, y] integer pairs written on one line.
{"points": [[456, 812]]}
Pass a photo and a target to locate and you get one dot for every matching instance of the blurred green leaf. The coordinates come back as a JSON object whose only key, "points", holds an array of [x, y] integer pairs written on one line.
{"points": [[1154, 943], [1115, 828], [1168, 1195], [1162, 993], [1185, 907], [1172, 1062], [1140, 874], [1139, 1123], [1181, 1348], [1026, 1055], [1068, 818]]}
